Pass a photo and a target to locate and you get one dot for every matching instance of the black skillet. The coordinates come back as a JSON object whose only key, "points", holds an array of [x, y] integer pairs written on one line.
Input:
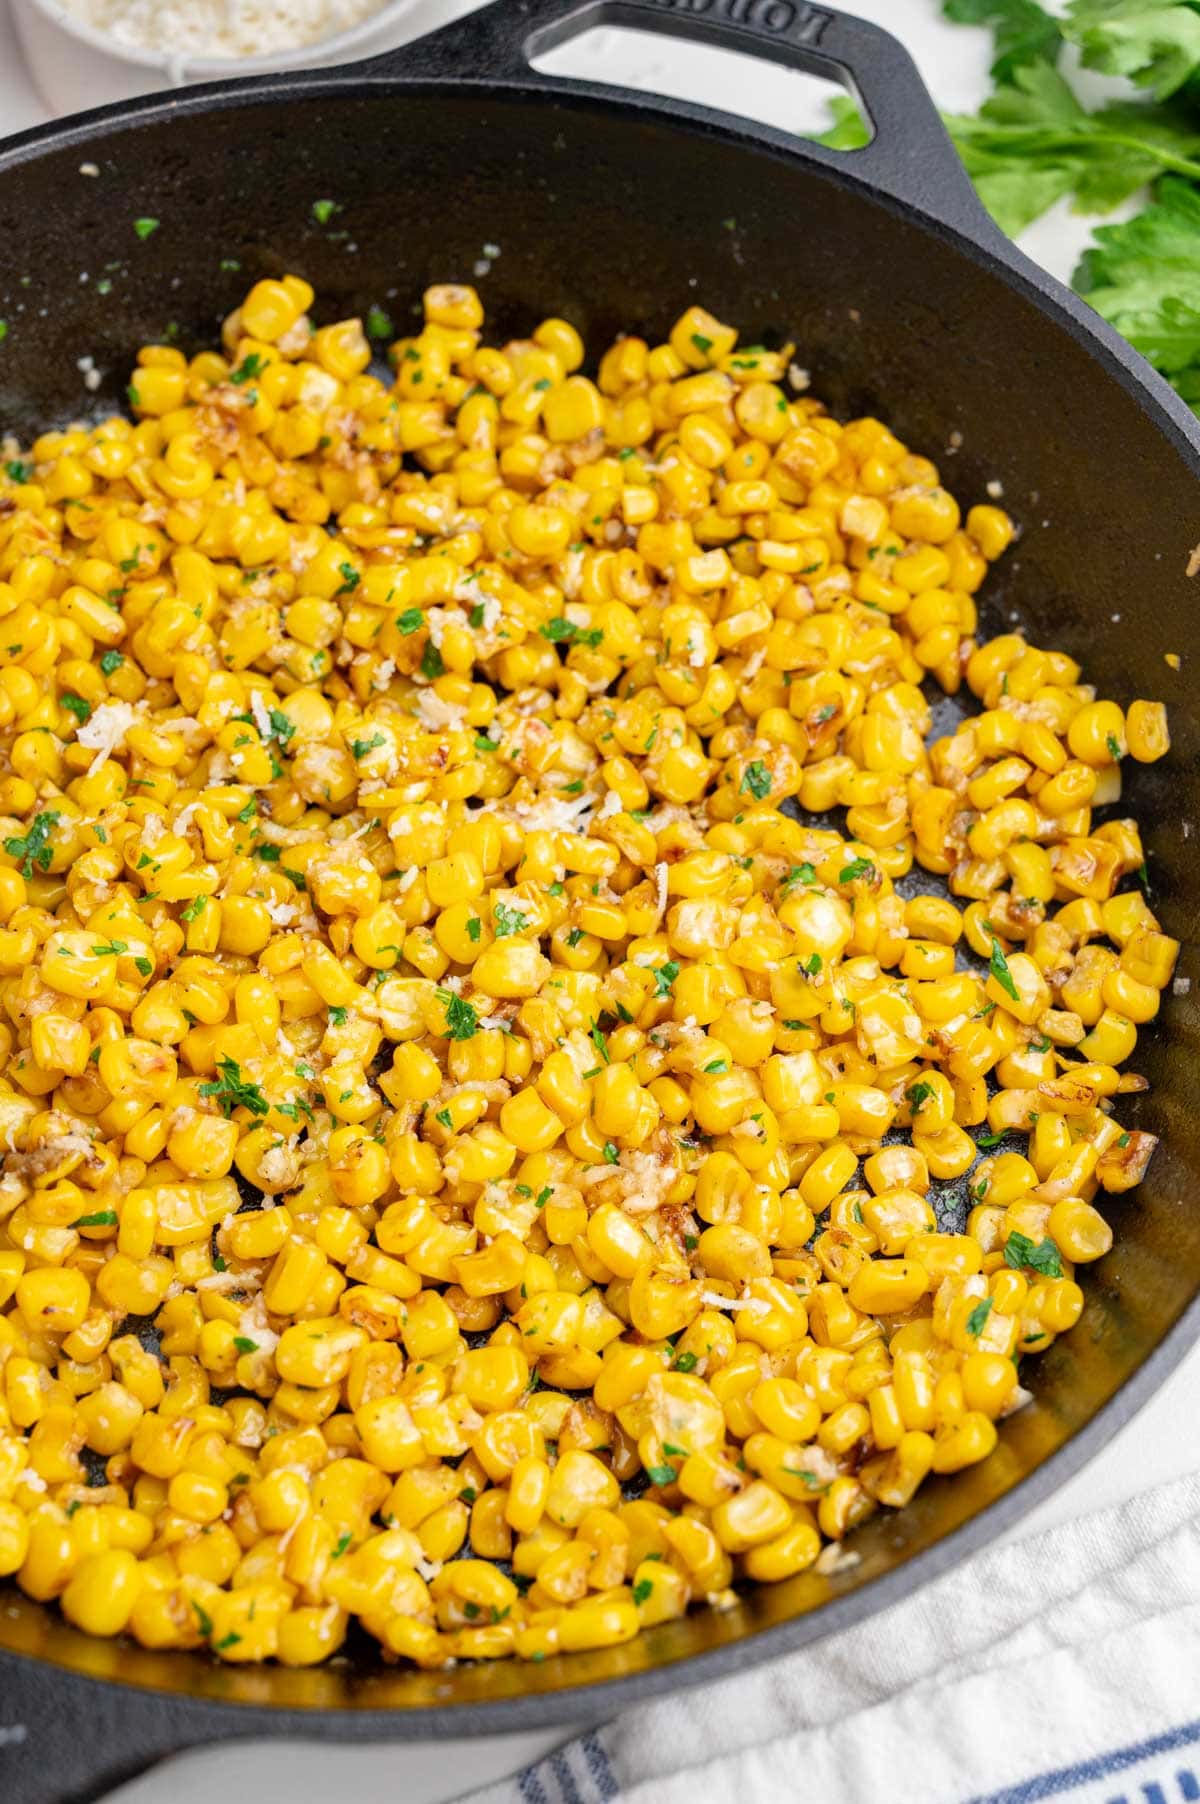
{"points": [[618, 211]]}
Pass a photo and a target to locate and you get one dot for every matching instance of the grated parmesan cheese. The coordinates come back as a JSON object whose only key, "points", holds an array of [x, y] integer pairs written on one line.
{"points": [[105, 731], [220, 27]]}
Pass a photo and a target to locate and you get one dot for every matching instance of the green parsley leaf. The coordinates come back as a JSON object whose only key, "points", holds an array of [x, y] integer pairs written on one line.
{"points": [[230, 1640], [250, 366], [194, 909], [1024, 1255], [33, 848], [324, 210], [757, 779], [338, 1017], [17, 471], [462, 1023], [611, 1155], [203, 1618], [432, 665], [232, 1091], [1032, 144], [110, 661], [977, 1319], [145, 228], [859, 867], [508, 920], [1022, 32], [75, 704], [661, 1475], [849, 130], [642, 1590], [1156, 43], [684, 1362], [360, 747], [244, 1344], [562, 631], [102, 1218], [341, 1544], [918, 1095], [665, 977], [411, 621], [379, 323], [998, 966]]}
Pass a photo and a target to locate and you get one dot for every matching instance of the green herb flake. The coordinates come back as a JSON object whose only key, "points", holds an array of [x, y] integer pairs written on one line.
{"points": [[998, 966], [231, 1091], [462, 1023], [145, 228], [33, 847], [1023, 1254], [977, 1319], [757, 779]]}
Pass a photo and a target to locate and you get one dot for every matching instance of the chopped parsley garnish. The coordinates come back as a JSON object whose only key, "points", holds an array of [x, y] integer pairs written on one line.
{"points": [[244, 1344], [18, 471], [703, 345], [324, 210], [918, 1095], [350, 579], [145, 228], [643, 1587], [360, 747], [411, 621], [432, 665], [232, 1091], [757, 780], [508, 920], [859, 867], [102, 1218], [379, 323], [661, 1475], [998, 966], [462, 1023], [611, 1155], [338, 1017], [685, 1362], [33, 848], [1042, 1257], [250, 367], [75, 704], [110, 661], [1114, 748], [561, 631], [977, 1319], [194, 909], [664, 978]]}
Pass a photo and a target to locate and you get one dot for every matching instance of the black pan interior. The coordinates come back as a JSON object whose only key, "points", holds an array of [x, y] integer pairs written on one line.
{"points": [[618, 218]]}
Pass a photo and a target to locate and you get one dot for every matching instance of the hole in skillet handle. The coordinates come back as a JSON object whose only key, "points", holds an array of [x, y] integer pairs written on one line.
{"points": [[909, 157]]}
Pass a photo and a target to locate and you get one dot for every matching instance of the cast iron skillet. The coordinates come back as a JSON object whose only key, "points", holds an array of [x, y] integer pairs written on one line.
{"points": [[618, 212]]}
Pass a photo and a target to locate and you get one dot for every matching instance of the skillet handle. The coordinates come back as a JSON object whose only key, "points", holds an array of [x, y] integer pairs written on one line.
{"points": [[910, 157]]}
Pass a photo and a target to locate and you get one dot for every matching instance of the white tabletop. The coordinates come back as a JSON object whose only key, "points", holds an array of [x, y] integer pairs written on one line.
{"points": [[954, 61]]}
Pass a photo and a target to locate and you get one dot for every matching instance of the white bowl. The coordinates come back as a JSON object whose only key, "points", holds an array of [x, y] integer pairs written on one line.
{"points": [[76, 67]]}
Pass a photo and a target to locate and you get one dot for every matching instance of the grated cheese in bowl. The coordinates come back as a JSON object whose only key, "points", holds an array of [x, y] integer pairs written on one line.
{"points": [[220, 28]]}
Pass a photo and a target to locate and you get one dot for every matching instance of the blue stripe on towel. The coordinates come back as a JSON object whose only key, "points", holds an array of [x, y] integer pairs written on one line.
{"points": [[1049, 1785]]}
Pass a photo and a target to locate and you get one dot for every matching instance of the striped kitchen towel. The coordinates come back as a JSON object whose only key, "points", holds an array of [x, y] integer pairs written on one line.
{"points": [[1065, 1665]]}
